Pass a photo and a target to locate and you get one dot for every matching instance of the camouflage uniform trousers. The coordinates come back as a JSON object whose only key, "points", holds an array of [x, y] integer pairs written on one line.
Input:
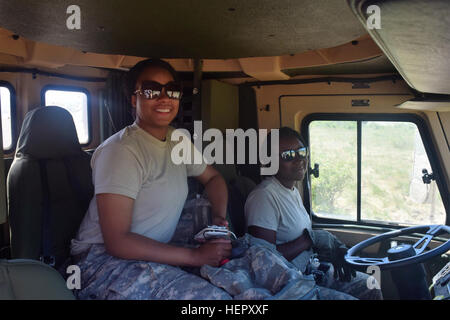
{"points": [[106, 277], [263, 273], [334, 289], [329, 288], [356, 288]]}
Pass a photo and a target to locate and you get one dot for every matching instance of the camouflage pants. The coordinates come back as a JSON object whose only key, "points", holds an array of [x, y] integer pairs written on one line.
{"points": [[261, 273], [329, 289], [107, 277], [357, 288], [334, 289]]}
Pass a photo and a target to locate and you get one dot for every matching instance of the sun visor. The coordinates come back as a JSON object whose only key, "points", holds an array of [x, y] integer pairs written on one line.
{"points": [[414, 35], [434, 103]]}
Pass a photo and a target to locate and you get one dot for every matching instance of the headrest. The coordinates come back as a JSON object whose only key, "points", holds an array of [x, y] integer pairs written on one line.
{"points": [[48, 133]]}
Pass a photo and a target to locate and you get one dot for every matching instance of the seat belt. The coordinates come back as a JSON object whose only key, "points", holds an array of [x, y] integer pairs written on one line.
{"points": [[46, 242]]}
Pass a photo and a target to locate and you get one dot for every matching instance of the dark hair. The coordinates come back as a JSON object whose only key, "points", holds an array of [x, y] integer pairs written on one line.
{"points": [[134, 73], [285, 133]]}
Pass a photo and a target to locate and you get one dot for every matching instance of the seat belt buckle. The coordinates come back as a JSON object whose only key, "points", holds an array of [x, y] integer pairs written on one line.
{"points": [[49, 260]]}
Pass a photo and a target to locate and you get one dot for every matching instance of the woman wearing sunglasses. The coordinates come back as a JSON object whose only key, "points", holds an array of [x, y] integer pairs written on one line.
{"points": [[274, 212], [122, 244]]}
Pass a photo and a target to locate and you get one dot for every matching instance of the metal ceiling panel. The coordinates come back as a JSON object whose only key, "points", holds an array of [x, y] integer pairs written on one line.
{"points": [[186, 29]]}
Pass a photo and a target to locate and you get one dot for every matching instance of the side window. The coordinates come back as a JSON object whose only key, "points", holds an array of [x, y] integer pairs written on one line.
{"points": [[6, 107], [392, 158], [333, 147], [74, 101]]}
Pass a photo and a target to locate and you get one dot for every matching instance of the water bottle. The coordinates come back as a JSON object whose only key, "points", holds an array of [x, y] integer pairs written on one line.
{"points": [[201, 211], [195, 216]]}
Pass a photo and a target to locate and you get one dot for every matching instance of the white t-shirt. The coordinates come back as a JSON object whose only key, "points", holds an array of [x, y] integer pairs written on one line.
{"points": [[135, 164], [274, 207]]}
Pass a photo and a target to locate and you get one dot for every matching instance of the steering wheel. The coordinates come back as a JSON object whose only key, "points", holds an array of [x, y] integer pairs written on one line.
{"points": [[403, 254]]}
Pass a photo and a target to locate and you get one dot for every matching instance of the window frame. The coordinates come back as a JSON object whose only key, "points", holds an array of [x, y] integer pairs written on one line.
{"points": [[72, 89], [425, 135], [12, 92]]}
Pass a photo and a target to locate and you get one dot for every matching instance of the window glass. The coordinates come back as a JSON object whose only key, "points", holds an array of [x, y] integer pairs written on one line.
{"points": [[5, 103], [77, 104], [333, 147], [393, 159]]}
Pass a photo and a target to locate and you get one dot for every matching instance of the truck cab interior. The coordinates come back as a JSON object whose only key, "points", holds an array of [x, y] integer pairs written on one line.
{"points": [[365, 82]]}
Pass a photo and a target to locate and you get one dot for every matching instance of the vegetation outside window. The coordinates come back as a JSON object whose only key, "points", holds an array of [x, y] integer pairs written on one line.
{"points": [[391, 168]]}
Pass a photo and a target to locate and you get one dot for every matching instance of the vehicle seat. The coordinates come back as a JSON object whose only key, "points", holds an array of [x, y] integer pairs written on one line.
{"points": [[50, 173], [31, 280], [238, 190]]}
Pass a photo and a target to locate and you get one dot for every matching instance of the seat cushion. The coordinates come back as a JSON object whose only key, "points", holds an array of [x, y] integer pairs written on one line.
{"points": [[31, 280], [49, 179], [67, 206], [239, 189]]}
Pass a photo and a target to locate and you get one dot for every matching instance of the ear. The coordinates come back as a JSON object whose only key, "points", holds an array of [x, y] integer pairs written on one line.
{"points": [[133, 100]]}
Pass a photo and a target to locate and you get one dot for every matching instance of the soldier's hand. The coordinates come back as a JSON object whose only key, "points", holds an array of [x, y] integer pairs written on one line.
{"points": [[219, 221], [212, 252], [342, 270]]}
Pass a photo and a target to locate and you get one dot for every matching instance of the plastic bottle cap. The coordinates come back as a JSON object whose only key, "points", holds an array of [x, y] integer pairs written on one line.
{"points": [[224, 261]]}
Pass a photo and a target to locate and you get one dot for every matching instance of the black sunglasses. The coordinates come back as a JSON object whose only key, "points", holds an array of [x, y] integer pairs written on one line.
{"points": [[153, 90], [289, 155]]}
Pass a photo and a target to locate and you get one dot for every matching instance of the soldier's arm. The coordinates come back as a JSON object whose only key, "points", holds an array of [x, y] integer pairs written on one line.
{"points": [[115, 214], [217, 192], [293, 248], [289, 249]]}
